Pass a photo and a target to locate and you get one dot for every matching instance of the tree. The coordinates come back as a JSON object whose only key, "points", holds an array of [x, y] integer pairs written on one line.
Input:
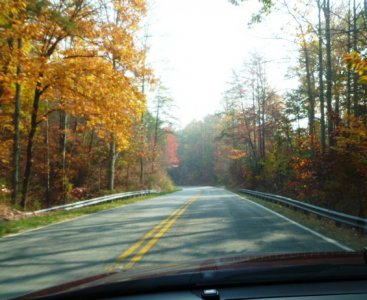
{"points": [[83, 68], [172, 147], [196, 153], [55, 23], [163, 104], [329, 74]]}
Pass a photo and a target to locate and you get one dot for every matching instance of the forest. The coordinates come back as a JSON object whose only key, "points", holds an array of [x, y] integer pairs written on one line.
{"points": [[309, 143], [74, 121]]}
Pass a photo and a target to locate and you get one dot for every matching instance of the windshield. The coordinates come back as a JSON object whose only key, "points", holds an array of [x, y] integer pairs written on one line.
{"points": [[150, 134]]}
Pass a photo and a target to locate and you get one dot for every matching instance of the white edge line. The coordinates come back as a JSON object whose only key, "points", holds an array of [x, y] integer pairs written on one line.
{"points": [[327, 239]]}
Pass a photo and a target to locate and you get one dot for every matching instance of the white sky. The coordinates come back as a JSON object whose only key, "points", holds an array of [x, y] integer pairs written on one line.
{"points": [[195, 45]]}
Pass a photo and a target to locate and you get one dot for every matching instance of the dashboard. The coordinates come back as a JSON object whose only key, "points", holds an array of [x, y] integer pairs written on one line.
{"points": [[338, 290]]}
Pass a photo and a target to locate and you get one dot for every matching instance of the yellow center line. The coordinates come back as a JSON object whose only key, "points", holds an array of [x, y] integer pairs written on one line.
{"points": [[129, 251], [154, 235], [155, 239]]}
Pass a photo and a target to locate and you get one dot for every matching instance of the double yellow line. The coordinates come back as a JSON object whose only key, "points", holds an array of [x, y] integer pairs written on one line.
{"points": [[151, 238]]}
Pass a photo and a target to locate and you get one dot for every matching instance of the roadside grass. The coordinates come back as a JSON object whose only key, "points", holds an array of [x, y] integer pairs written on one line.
{"points": [[344, 235], [15, 226]]}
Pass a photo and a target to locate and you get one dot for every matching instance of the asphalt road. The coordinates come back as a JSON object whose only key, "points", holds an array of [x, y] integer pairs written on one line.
{"points": [[195, 223]]}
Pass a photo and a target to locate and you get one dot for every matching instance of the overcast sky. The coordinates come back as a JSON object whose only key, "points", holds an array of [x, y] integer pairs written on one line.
{"points": [[195, 45]]}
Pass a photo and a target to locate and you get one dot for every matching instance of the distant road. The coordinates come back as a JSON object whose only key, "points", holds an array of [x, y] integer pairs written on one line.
{"points": [[195, 223]]}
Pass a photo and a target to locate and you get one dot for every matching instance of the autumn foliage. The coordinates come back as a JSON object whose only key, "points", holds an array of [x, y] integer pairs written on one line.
{"points": [[172, 148], [257, 142], [73, 117]]}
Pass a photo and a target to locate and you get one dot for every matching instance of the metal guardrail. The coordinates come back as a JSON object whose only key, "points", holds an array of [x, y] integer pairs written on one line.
{"points": [[94, 201], [337, 217]]}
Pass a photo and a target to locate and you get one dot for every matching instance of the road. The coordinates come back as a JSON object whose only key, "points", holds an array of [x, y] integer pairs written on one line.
{"points": [[195, 223]]}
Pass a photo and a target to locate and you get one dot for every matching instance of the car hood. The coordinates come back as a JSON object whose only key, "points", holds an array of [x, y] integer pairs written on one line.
{"points": [[247, 263]]}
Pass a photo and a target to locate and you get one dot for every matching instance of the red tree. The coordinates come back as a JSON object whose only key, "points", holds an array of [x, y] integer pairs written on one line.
{"points": [[172, 147]]}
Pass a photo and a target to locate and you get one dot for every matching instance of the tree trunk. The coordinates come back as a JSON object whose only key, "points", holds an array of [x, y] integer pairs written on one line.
{"points": [[128, 177], [16, 142], [254, 117], [112, 153], [48, 179], [311, 100], [329, 75], [355, 48], [337, 110], [349, 72], [263, 128], [250, 143], [263, 100], [141, 159], [91, 141], [111, 165], [141, 171], [155, 141], [62, 144], [260, 132], [99, 177], [321, 82], [29, 154]]}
